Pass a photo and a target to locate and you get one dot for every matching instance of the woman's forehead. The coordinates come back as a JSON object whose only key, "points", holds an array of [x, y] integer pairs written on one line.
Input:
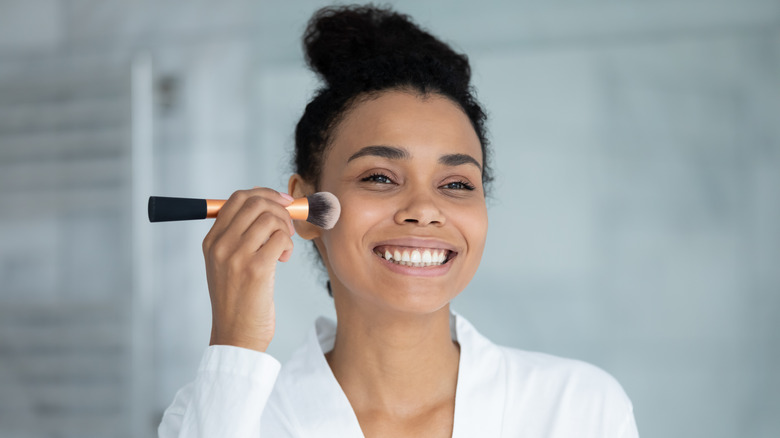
{"points": [[419, 124]]}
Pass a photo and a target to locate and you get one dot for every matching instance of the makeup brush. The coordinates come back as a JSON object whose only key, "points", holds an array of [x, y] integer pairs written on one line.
{"points": [[321, 209]]}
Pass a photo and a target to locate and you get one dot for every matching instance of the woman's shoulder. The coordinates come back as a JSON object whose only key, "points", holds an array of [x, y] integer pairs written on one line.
{"points": [[544, 376], [550, 371], [551, 366], [572, 397], [541, 394]]}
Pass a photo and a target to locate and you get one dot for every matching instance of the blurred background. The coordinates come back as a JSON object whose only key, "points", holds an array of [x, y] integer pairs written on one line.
{"points": [[635, 221]]}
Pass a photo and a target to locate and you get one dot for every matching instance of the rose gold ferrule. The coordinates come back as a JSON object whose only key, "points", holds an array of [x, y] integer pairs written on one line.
{"points": [[299, 209], [213, 206]]}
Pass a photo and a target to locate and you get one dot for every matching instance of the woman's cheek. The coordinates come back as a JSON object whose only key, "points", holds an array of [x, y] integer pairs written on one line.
{"points": [[358, 214], [360, 211], [472, 221]]}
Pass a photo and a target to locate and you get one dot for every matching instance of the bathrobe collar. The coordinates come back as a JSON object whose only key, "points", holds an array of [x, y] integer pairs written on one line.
{"points": [[319, 402]]}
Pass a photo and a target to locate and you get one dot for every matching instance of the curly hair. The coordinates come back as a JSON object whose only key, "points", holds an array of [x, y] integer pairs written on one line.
{"points": [[361, 51]]}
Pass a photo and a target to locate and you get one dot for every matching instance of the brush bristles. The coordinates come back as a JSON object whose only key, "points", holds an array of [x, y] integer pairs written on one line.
{"points": [[324, 210]]}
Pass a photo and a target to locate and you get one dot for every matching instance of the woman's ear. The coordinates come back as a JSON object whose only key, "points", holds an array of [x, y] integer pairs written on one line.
{"points": [[297, 187]]}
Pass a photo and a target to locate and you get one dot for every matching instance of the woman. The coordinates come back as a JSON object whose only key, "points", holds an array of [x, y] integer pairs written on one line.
{"points": [[398, 137]]}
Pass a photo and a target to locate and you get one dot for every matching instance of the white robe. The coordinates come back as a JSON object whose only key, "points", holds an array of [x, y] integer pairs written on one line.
{"points": [[501, 392]]}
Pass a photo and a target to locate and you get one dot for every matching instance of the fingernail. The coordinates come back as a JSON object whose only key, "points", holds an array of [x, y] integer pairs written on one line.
{"points": [[286, 196]]}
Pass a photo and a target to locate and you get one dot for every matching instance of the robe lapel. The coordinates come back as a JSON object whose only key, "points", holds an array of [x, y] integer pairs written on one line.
{"points": [[320, 405], [482, 384]]}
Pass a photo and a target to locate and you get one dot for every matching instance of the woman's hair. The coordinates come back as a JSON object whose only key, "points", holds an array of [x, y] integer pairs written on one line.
{"points": [[361, 51]]}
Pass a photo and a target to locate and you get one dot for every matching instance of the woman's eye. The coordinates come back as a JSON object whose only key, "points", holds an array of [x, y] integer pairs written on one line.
{"points": [[378, 178], [459, 185]]}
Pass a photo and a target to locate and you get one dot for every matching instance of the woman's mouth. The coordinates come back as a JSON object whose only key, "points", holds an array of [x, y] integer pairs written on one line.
{"points": [[414, 257]]}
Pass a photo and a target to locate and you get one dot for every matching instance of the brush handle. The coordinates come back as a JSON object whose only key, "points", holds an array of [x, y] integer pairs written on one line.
{"points": [[165, 209]]}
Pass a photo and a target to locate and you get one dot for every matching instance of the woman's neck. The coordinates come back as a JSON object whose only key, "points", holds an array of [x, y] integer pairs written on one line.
{"points": [[395, 364]]}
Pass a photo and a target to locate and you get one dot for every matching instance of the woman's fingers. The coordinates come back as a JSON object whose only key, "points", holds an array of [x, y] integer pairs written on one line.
{"points": [[256, 237], [252, 207], [286, 254], [232, 223], [274, 248], [243, 206], [252, 232]]}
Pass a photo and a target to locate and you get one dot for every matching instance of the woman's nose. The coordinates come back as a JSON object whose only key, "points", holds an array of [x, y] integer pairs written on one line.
{"points": [[420, 209]]}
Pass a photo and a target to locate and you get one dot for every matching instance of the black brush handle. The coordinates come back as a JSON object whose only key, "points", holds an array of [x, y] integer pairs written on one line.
{"points": [[164, 209]]}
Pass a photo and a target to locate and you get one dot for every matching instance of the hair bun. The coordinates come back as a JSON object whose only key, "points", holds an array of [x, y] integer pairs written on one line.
{"points": [[361, 51], [367, 47]]}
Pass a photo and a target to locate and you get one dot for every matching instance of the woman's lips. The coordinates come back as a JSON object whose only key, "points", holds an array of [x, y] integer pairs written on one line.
{"points": [[416, 256], [417, 269]]}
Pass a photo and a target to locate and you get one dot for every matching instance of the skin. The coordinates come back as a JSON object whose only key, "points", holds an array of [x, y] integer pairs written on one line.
{"points": [[401, 165], [251, 232]]}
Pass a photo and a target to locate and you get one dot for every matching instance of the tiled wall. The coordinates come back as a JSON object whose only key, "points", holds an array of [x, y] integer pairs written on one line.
{"points": [[64, 172], [634, 222]]}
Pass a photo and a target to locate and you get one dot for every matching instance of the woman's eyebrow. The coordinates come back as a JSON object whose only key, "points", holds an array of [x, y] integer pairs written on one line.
{"points": [[458, 159], [396, 153], [389, 152]]}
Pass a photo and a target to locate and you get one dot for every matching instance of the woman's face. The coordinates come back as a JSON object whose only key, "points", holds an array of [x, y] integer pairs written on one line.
{"points": [[407, 171]]}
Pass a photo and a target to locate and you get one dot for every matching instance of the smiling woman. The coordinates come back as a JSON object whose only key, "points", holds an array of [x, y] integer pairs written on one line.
{"points": [[410, 196], [398, 137]]}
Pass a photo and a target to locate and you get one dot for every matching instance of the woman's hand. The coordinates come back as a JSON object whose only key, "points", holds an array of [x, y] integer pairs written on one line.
{"points": [[251, 233]]}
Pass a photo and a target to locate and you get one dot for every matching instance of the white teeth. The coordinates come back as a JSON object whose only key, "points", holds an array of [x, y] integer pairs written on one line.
{"points": [[416, 257]]}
